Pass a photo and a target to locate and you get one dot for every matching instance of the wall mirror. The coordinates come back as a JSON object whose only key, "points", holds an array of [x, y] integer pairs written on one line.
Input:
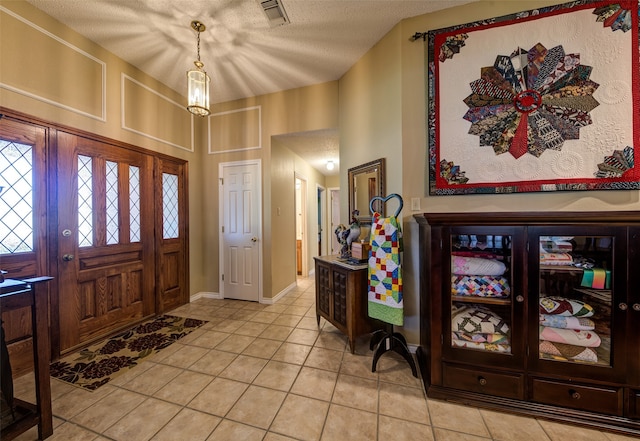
{"points": [[365, 182]]}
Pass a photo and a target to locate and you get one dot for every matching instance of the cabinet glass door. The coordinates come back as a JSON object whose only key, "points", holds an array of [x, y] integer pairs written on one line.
{"points": [[482, 293], [575, 298], [578, 279]]}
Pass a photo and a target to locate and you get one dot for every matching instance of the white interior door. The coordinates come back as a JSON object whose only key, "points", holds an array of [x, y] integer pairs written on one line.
{"points": [[240, 230]]}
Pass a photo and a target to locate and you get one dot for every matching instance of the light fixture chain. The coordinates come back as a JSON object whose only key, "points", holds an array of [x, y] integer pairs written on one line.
{"points": [[198, 45]]}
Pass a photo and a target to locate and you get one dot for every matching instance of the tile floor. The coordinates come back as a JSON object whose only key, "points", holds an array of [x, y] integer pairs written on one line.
{"points": [[267, 372]]}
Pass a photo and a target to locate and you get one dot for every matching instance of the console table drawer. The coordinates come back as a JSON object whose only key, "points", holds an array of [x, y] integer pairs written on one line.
{"points": [[484, 382], [599, 399]]}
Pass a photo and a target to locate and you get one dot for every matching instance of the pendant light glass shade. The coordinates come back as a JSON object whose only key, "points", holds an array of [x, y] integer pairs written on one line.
{"points": [[198, 92], [198, 81]]}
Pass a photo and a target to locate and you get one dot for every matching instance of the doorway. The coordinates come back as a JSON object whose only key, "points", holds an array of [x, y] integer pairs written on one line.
{"points": [[322, 220], [334, 215], [240, 214], [301, 225]]}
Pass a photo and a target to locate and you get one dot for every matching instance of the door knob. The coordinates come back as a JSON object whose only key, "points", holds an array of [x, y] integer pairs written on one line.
{"points": [[254, 239], [67, 257]]}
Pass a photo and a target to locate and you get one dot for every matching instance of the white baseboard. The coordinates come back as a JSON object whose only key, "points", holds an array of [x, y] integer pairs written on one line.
{"points": [[205, 295]]}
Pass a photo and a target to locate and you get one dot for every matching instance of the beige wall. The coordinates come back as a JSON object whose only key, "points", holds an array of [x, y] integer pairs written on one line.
{"points": [[382, 114]]}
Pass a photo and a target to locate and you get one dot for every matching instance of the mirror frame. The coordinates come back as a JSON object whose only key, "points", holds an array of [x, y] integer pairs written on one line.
{"points": [[369, 167]]}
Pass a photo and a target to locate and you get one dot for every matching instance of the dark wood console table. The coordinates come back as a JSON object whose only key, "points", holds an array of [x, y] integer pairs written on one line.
{"points": [[341, 297], [30, 293]]}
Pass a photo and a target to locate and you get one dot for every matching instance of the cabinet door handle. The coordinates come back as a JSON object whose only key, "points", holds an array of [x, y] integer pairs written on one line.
{"points": [[622, 306], [636, 306], [482, 381], [519, 299], [574, 394]]}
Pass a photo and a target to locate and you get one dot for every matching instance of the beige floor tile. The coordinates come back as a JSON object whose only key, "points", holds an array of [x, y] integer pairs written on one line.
{"points": [[265, 317], [303, 336], [153, 379], [183, 357], [77, 400], [301, 418], [451, 435], [563, 432], [232, 431], [257, 407], [392, 368], [270, 436], [403, 402], [235, 343], [287, 320], [357, 392], [357, 365], [65, 432], [308, 323], [144, 421], [188, 425], [210, 339], [213, 362], [132, 373], [315, 383], [103, 414], [332, 340], [187, 339], [395, 429], [297, 310], [229, 325], [243, 314], [456, 417], [252, 329], [244, 368], [345, 423], [507, 427], [184, 387], [619, 437], [292, 353], [262, 348], [276, 332], [324, 359], [218, 397], [277, 375], [276, 308]]}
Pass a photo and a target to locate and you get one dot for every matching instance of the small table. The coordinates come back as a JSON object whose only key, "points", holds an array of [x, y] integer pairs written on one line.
{"points": [[31, 293]]}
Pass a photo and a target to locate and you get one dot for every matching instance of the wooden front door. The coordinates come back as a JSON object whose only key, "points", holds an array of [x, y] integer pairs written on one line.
{"points": [[105, 238]]}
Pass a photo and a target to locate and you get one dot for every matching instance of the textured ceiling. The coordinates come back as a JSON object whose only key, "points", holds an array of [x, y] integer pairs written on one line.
{"points": [[241, 52]]}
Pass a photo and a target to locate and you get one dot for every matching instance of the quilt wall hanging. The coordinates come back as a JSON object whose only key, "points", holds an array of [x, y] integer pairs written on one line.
{"points": [[542, 100]]}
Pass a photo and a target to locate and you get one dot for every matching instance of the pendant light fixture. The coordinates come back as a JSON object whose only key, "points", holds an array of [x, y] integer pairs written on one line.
{"points": [[198, 81]]}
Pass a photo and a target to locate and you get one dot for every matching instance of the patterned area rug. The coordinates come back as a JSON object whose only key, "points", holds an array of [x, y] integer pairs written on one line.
{"points": [[96, 365]]}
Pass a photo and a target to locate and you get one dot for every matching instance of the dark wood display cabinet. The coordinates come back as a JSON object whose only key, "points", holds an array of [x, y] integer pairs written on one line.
{"points": [[533, 313], [341, 297]]}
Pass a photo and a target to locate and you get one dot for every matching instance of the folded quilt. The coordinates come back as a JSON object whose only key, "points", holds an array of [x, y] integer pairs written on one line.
{"points": [[481, 286], [491, 347], [566, 307], [587, 339], [477, 320], [476, 266], [561, 351], [480, 338], [555, 258], [567, 322]]}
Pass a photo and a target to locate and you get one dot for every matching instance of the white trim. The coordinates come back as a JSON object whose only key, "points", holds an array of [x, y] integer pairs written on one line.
{"points": [[281, 294], [221, 166], [244, 109], [205, 295], [123, 77], [102, 117]]}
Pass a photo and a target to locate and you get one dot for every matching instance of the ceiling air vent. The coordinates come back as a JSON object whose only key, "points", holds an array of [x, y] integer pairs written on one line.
{"points": [[273, 9]]}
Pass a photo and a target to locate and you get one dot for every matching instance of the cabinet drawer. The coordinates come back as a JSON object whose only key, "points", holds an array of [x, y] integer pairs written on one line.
{"points": [[634, 403], [485, 382], [599, 399]]}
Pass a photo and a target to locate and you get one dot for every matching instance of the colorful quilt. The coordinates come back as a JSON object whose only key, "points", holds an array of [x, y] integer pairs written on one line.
{"points": [[565, 322], [385, 274], [490, 347], [481, 286], [476, 266], [566, 307], [587, 339], [564, 352], [477, 320], [480, 338]]}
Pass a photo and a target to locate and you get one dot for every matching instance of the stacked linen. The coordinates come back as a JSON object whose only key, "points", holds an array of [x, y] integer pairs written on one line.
{"points": [[567, 331], [477, 327], [556, 250], [480, 277]]}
